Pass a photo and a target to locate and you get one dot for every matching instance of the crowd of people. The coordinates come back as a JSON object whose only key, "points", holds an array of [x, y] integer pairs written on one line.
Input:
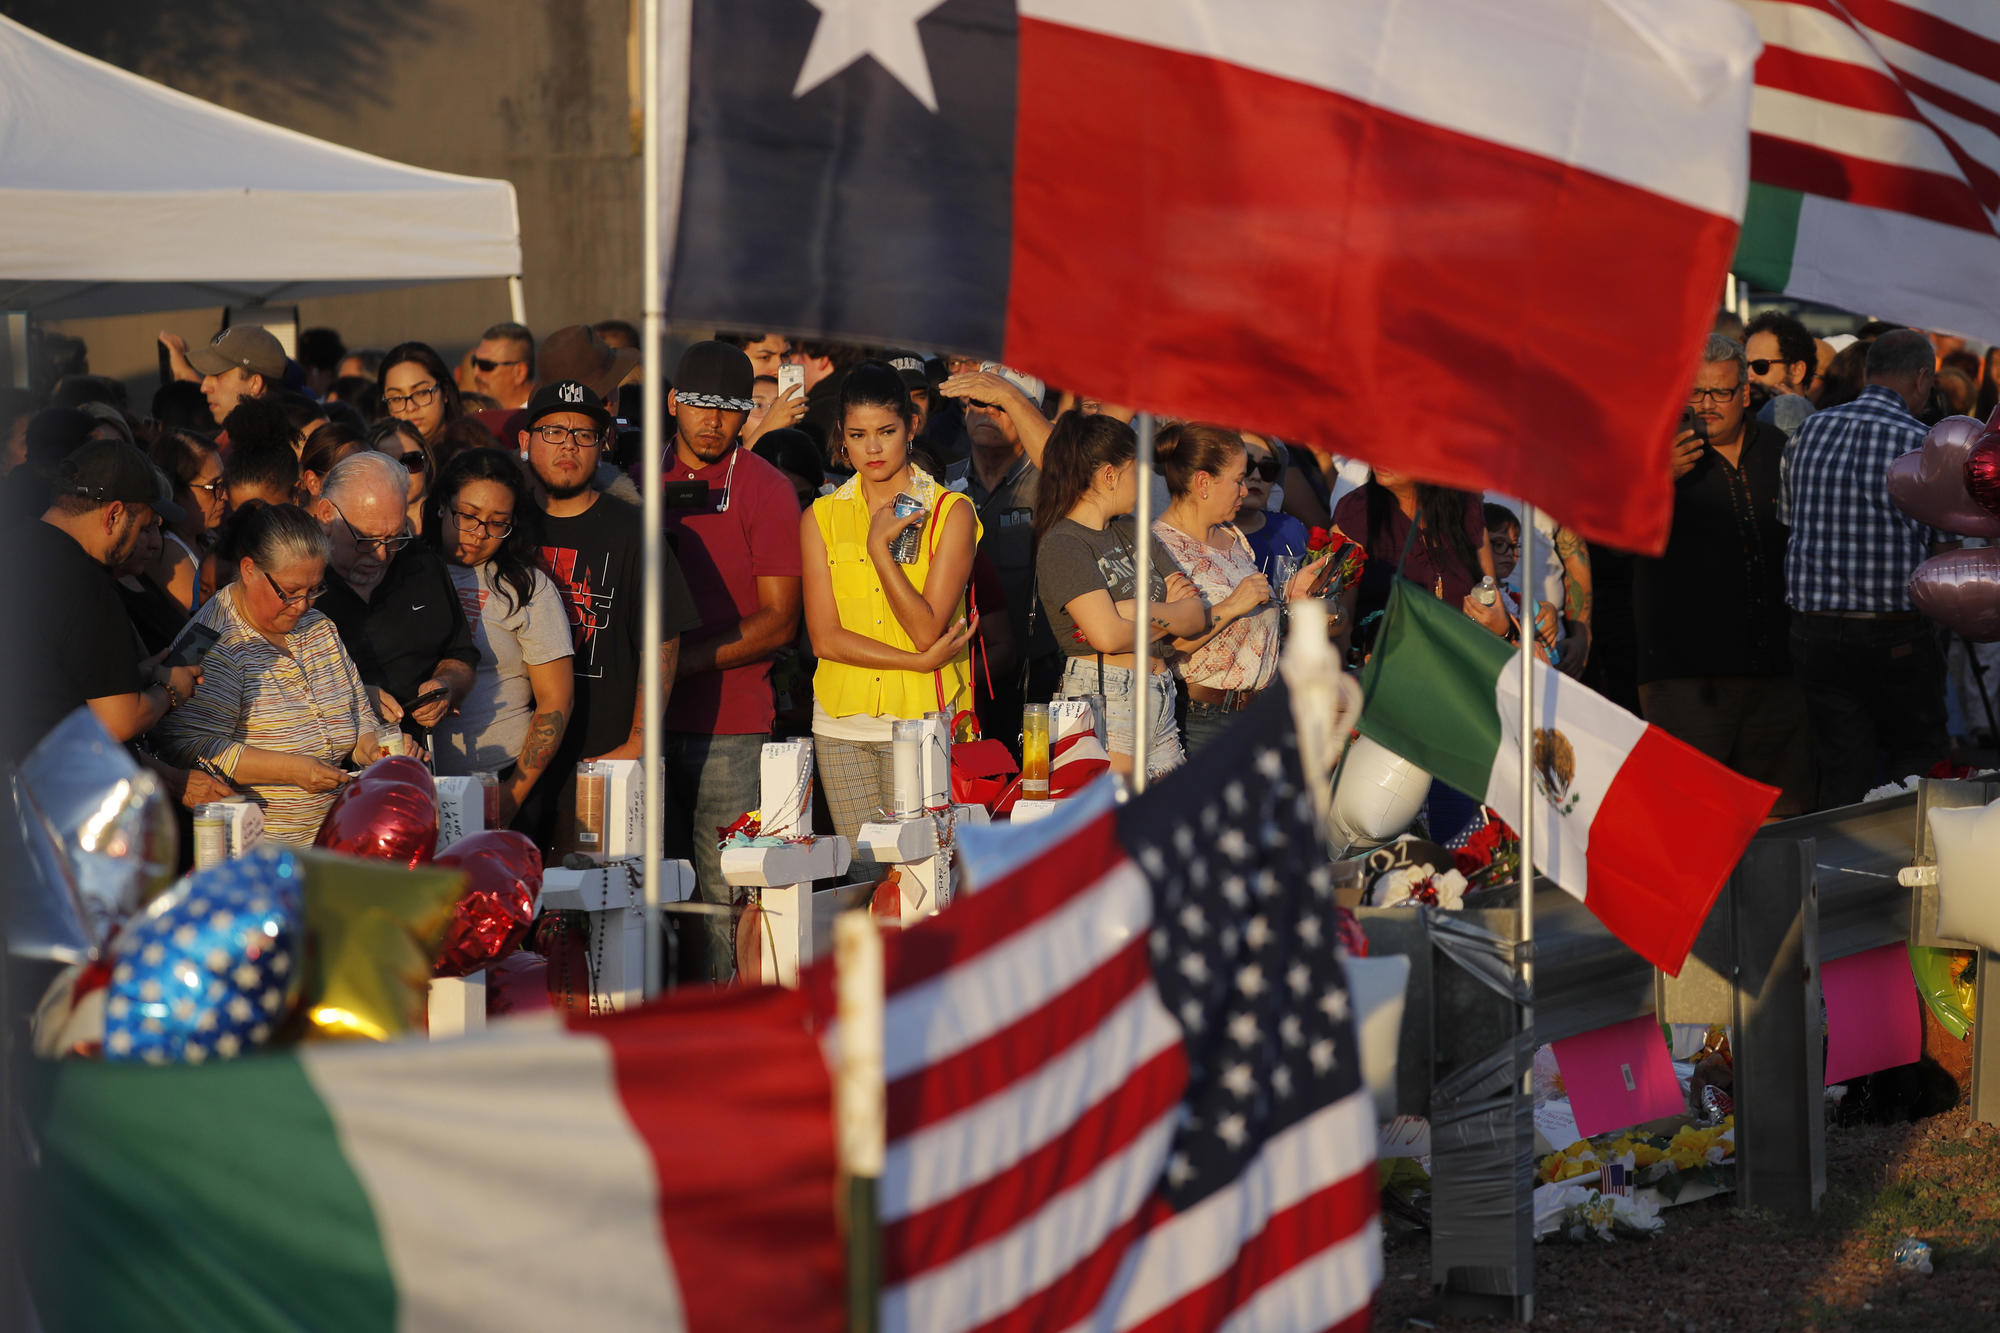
{"points": [[289, 565]]}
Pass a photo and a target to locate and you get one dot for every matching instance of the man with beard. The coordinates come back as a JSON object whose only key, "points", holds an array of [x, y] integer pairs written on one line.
{"points": [[71, 643], [593, 548], [740, 550]]}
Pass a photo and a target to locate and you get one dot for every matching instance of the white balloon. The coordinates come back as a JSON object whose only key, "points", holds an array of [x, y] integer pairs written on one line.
{"points": [[1378, 794]]}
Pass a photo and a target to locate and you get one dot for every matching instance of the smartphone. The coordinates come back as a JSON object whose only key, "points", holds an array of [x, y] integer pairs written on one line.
{"points": [[791, 377], [192, 646], [691, 494], [1689, 421], [426, 698]]}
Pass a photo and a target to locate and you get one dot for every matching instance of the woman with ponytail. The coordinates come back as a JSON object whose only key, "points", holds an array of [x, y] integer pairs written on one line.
{"points": [[1086, 572], [890, 634]]}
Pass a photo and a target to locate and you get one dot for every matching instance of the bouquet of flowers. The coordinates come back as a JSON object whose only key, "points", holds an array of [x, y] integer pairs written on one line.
{"points": [[1489, 854], [1344, 571]]}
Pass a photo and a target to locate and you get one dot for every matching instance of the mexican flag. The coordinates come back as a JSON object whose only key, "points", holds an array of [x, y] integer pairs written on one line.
{"points": [[1875, 159], [671, 1168], [1641, 827]]}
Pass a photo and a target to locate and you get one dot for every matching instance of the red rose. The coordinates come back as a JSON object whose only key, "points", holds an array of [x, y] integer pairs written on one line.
{"points": [[1317, 538]]}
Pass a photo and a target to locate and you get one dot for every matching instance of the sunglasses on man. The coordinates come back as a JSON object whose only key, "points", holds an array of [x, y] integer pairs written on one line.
{"points": [[1763, 365], [487, 366], [1265, 468]]}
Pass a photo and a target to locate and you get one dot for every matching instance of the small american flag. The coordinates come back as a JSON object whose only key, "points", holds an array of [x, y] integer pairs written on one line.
{"points": [[1123, 1084]]}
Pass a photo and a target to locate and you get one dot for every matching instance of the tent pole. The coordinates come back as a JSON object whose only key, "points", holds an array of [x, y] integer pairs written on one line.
{"points": [[654, 306], [517, 303], [1142, 611]]}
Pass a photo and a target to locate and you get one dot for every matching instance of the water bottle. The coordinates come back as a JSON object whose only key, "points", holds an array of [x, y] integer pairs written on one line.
{"points": [[1487, 592]]}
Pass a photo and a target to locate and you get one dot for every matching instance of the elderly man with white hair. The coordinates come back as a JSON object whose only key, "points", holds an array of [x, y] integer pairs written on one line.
{"points": [[392, 598]]}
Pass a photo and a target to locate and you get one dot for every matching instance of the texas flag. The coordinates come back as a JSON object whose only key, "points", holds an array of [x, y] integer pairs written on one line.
{"points": [[1473, 241]]}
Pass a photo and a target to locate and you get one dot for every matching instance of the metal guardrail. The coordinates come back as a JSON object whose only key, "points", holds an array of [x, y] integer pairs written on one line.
{"points": [[1815, 888]]}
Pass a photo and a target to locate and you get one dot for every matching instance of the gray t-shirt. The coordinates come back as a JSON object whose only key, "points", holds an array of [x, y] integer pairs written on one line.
{"points": [[1075, 560], [487, 731]]}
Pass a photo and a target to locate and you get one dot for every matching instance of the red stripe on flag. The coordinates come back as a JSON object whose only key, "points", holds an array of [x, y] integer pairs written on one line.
{"points": [[730, 1094], [1078, 1291], [970, 1218], [1666, 837], [979, 921], [1289, 1239], [1934, 36], [954, 1082], [1261, 232], [1864, 89], [1817, 169]]}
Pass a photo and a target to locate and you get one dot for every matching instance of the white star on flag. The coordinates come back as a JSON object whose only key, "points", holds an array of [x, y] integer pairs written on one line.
{"points": [[1334, 1005], [1239, 1080], [883, 29]]}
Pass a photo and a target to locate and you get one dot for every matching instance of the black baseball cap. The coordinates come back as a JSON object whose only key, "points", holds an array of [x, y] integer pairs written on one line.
{"points": [[566, 396], [715, 374], [112, 470], [910, 365]]}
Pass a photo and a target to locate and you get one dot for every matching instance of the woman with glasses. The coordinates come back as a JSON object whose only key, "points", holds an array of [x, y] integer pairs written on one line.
{"points": [[514, 718], [402, 442], [281, 713], [886, 611], [1272, 536], [194, 465], [418, 388]]}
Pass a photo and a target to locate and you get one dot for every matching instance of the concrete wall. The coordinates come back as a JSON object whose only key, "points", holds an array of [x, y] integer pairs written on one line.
{"points": [[540, 92]]}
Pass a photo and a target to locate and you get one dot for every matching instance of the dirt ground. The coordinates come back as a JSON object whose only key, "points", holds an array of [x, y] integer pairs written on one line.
{"points": [[1718, 1267]]}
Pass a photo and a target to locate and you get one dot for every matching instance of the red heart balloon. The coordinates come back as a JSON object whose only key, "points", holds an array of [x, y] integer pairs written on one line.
{"points": [[503, 878], [401, 768], [1982, 472], [382, 820]]}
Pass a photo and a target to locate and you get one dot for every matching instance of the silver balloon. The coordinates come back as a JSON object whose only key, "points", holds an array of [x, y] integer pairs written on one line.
{"points": [[1961, 590], [1928, 483], [99, 834]]}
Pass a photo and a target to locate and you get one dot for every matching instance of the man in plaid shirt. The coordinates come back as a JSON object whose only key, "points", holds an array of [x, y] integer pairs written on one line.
{"points": [[1872, 672]]}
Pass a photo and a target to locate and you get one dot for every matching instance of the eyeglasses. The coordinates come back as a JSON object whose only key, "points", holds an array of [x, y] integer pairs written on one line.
{"points": [[487, 367], [1267, 468], [212, 487], [387, 545], [492, 527], [584, 437], [414, 461], [420, 396], [305, 598], [1696, 397], [1501, 546]]}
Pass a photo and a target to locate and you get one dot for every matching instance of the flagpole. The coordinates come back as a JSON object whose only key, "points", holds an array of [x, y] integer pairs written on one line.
{"points": [[1529, 583], [650, 338], [1142, 610]]}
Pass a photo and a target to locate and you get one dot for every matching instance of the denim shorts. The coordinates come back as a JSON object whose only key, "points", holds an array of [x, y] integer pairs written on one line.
{"points": [[1164, 753]]}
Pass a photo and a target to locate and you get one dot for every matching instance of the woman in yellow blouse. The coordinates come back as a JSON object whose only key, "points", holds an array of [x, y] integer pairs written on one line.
{"points": [[890, 636]]}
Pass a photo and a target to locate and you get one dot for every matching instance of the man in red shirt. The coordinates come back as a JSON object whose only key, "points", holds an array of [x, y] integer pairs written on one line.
{"points": [[739, 551]]}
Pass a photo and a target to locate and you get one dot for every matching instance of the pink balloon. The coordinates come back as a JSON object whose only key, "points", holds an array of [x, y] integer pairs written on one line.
{"points": [[1961, 590], [1928, 483]]}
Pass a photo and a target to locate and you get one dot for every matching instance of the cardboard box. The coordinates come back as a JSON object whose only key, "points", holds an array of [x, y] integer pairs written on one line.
{"points": [[461, 809], [784, 788]]}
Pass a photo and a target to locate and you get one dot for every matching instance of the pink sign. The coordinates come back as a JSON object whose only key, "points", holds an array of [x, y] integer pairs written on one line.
{"points": [[1619, 1076], [1872, 1019]]}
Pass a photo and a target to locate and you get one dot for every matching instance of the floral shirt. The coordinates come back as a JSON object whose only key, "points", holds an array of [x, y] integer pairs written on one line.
{"points": [[1244, 653]]}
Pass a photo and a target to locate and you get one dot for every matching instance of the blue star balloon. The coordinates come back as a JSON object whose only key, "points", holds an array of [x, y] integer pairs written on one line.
{"points": [[212, 967]]}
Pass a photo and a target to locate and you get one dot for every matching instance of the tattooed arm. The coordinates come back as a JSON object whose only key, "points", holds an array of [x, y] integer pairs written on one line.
{"points": [[1575, 556], [555, 690]]}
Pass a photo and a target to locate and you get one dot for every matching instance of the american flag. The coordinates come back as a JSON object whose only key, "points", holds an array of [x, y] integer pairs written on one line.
{"points": [[1124, 1089], [1890, 105]]}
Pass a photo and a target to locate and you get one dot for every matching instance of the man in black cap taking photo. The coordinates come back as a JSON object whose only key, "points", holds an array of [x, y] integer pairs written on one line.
{"points": [[69, 640], [593, 548], [739, 549]]}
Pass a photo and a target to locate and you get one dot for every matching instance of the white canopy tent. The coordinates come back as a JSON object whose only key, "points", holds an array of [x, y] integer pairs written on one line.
{"points": [[121, 196]]}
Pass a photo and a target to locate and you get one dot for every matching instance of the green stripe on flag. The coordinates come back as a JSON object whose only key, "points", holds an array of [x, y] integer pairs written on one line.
{"points": [[201, 1198], [1429, 690], [1770, 235]]}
